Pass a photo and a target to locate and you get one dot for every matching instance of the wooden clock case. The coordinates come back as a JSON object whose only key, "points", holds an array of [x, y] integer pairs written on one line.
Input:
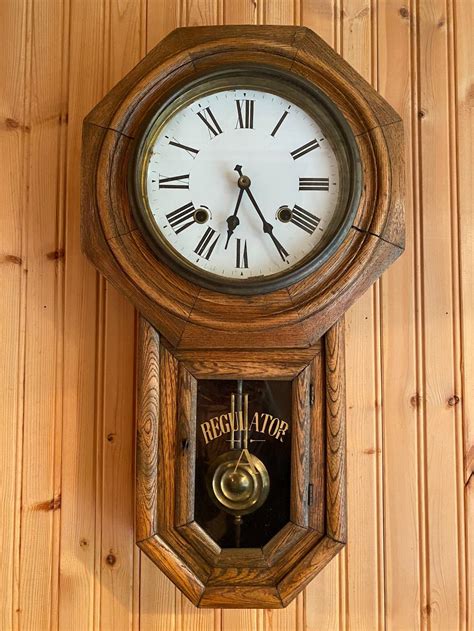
{"points": [[187, 332]]}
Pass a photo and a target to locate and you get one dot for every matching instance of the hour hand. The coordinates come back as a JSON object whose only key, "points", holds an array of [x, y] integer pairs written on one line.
{"points": [[233, 221]]}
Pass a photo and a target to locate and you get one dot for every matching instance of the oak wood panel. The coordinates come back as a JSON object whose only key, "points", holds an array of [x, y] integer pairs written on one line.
{"points": [[165, 482], [335, 434], [301, 428], [148, 402], [317, 453], [186, 447], [406, 420]]}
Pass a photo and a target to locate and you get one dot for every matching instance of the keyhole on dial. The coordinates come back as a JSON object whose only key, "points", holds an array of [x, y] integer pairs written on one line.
{"points": [[201, 214], [284, 214]]}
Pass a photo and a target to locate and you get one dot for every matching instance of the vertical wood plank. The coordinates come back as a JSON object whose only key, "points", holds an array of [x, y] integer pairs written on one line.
{"points": [[14, 148], [116, 438], [464, 98], [278, 12], [364, 590], [239, 12], [442, 516], [148, 402], [158, 596], [202, 12], [401, 398], [77, 601], [336, 432], [41, 498], [323, 596]]}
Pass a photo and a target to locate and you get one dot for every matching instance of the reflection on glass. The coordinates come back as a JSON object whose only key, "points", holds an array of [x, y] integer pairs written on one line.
{"points": [[243, 460]]}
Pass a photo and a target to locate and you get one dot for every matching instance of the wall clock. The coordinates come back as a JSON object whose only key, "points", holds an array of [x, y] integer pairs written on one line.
{"points": [[242, 186]]}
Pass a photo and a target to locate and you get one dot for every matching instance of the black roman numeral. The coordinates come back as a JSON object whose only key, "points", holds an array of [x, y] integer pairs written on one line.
{"points": [[177, 181], [245, 113], [241, 255], [181, 218], [192, 152], [206, 245], [301, 151], [278, 125], [304, 219], [209, 120], [314, 184]]}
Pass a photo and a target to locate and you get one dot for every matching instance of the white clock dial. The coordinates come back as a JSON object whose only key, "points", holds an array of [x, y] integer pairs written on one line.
{"points": [[242, 183]]}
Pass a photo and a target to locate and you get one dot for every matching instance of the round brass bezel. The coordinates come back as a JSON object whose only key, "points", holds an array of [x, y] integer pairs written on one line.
{"points": [[298, 91]]}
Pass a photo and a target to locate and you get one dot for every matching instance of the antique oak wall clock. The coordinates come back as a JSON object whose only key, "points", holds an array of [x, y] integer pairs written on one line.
{"points": [[242, 186]]}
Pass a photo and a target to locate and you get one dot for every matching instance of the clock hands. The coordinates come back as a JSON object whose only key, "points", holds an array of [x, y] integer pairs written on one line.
{"points": [[233, 221], [244, 185]]}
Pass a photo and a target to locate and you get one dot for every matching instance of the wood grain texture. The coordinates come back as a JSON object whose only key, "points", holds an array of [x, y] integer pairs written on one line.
{"points": [[156, 592], [301, 431], [445, 600], [364, 592], [116, 440], [400, 388], [186, 447], [80, 552], [43, 278], [335, 433], [462, 70], [148, 387], [298, 315], [14, 149], [166, 453], [403, 61]]}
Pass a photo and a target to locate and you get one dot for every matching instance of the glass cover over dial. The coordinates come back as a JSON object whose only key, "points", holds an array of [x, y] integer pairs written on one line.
{"points": [[243, 180], [243, 460]]}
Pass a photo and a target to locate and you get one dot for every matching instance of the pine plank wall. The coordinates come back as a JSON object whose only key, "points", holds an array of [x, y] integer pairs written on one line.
{"points": [[68, 559]]}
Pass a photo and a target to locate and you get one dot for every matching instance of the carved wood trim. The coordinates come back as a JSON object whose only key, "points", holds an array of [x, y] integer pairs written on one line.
{"points": [[186, 314], [165, 470]]}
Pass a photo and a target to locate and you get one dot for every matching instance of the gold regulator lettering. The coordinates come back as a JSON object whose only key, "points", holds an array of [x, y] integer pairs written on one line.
{"points": [[261, 422]]}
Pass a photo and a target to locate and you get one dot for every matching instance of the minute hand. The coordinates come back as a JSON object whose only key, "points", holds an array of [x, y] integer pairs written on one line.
{"points": [[267, 227]]}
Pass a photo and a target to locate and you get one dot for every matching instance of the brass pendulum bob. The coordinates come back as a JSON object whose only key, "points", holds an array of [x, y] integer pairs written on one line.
{"points": [[238, 481]]}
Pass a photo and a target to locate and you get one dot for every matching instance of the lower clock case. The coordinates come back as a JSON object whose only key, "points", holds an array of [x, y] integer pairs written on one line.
{"points": [[240, 467]]}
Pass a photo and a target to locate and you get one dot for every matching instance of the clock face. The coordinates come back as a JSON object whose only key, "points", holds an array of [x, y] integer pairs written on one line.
{"points": [[245, 184]]}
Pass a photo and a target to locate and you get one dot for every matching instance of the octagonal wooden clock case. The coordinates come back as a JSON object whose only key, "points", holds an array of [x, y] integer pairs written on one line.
{"points": [[242, 185]]}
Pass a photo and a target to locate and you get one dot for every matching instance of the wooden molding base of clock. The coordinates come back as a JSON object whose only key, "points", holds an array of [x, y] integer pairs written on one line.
{"points": [[168, 528]]}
